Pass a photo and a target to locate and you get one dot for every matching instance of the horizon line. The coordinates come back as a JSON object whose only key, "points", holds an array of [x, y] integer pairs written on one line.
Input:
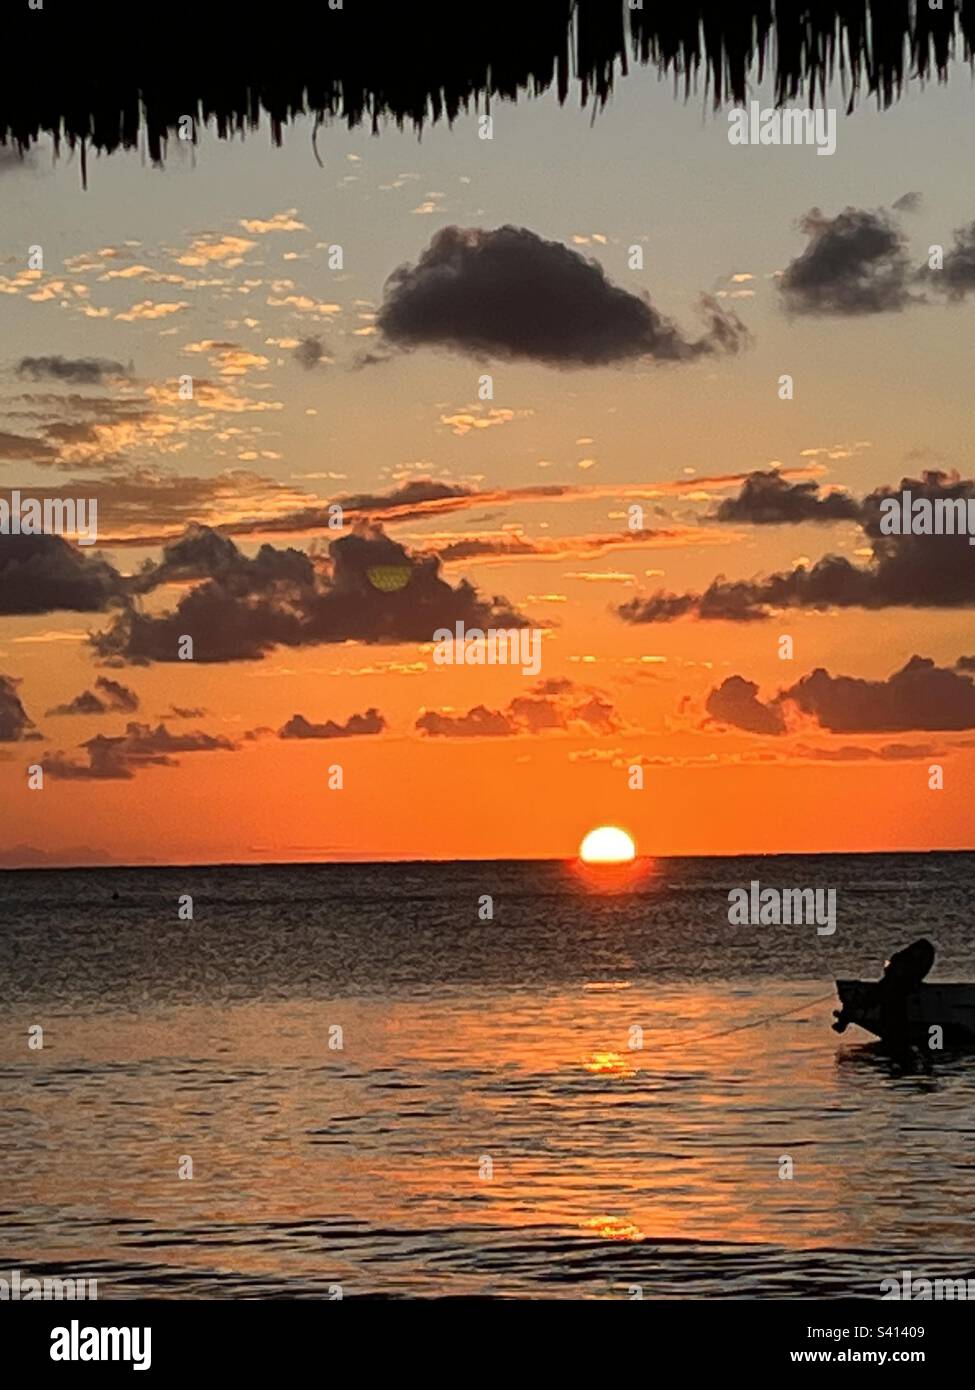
{"points": [[406, 860]]}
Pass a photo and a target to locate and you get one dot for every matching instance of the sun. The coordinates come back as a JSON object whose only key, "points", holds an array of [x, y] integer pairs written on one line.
{"points": [[607, 844]]}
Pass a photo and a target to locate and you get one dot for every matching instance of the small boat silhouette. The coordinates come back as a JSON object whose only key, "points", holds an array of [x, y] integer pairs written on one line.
{"points": [[900, 1009]]}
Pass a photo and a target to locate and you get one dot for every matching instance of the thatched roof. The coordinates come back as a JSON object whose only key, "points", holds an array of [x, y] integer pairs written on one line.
{"points": [[109, 73]]}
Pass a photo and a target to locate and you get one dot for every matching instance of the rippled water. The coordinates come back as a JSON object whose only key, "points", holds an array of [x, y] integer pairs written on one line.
{"points": [[487, 1125]]}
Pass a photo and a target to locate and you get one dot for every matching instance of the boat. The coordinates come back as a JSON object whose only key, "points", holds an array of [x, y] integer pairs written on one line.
{"points": [[950, 1007]]}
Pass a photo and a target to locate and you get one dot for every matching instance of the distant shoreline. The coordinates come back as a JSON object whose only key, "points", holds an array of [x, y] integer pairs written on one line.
{"points": [[364, 861]]}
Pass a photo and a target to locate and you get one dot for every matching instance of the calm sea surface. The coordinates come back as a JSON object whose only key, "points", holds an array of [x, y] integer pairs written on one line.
{"points": [[487, 1125]]}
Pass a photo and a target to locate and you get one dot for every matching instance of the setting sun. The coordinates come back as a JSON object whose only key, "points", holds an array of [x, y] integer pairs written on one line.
{"points": [[607, 844]]}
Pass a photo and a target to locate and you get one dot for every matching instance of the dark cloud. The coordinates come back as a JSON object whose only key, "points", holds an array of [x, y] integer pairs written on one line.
{"points": [[767, 499], [85, 703], [118, 759], [372, 722], [186, 712], [169, 499], [20, 447], [956, 278], [908, 202], [39, 574], [479, 722], [906, 571], [508, 293], [735, 701], [81, 371], [309, 353], [550, 704], [921, 695], [855, 263], [15, 724], [114, 699], [203, 553], [281, 598]]}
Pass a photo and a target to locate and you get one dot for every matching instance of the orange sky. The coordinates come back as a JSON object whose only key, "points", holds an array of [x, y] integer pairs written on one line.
{"points": [[221, 271]]}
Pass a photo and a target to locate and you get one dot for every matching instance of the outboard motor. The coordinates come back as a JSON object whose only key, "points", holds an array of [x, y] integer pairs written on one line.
{"points": [[906, 969], [903, 974]]}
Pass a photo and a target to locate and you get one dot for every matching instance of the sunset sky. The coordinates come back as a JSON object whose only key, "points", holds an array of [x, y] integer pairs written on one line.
{"points": [[315, 385]]}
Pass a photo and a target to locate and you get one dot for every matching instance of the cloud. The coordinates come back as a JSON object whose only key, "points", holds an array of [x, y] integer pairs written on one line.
{"points": [[855, 263], [202, 553], [151, 309], [309, 353], [230, 359], [81, 371], [114, 699], [83, 431], [118, 759], [15, 724], [229, 250], [39, 574], [736, 702], [905, 571], [280, 222], [513, 545], [508, 293], [555, 704], [281, 598], [463, 421], [956, 278], [908, 202], [921, 695], [241, 503], [479, 722], [767, 499], [20, 447], [372, 722], [851, 753], [149, 505]]}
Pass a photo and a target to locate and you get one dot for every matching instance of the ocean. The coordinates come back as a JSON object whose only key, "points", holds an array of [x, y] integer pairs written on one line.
{"points": [[604, 1090]]}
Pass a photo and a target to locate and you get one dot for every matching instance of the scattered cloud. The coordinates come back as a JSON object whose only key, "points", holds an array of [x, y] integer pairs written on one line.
{"points": [[767, 499], [118, 759], [908, 571], [280, 222], [15, 724], [80, 371], [552, 704], [309, 353], [855, 263], [108, 697], [922, 695], [372, 722]]}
